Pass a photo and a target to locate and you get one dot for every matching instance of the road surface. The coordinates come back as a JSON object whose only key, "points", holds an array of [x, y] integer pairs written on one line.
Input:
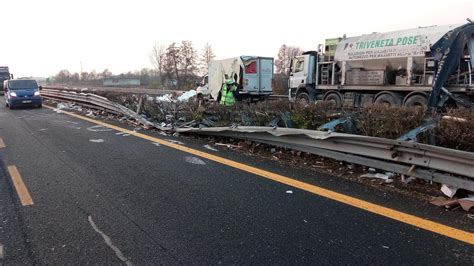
{"points": [[73, 191]]}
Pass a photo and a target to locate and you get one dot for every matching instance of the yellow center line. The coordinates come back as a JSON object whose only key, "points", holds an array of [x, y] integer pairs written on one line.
{"points": [[20, 186], [355, 202], [2, 144]]}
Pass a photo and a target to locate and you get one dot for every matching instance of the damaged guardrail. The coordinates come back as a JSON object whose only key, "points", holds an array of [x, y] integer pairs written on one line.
{"points": [[436, 164], [431, 163], [95, 101]]}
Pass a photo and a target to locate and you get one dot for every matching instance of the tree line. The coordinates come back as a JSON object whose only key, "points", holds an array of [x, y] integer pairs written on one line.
{"points": [[178, 65]]}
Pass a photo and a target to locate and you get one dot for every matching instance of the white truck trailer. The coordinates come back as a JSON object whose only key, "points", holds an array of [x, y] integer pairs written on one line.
{"points": [[396, 68], [252, 75]]}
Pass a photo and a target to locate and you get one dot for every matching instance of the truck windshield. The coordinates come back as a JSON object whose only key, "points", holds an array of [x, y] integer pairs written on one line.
{"points": [[22, 84], [4, 75], [298, 64]]}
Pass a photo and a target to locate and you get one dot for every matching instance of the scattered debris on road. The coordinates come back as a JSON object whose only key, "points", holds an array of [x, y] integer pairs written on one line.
{"points": [[449, 191], [230, 146], [187, 95], [385, 177], [194, 160], [207, 146], [175, 141], [465, 203]]}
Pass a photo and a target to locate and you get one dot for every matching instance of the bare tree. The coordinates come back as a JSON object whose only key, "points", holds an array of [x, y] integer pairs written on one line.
{"points": [[84, 76], [172, 62], [64, 76], [188, 57], [157, 58], [92, 75], [106, 73], [285, 54], [206, 57], [75, 77]]}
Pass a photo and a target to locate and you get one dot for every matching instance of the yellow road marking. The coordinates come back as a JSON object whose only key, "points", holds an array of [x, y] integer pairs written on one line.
{"points": [[2, 144], [20, 186], [358, 203]]}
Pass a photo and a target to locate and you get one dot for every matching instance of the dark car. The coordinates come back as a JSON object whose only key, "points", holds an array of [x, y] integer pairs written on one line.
{"points": [[22, 92]]}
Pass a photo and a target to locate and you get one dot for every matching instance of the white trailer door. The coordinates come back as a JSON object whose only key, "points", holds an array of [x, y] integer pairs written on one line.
{"points": [[265, 75]]}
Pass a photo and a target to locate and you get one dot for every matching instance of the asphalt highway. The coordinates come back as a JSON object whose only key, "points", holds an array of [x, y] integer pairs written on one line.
{"points": [[95, 195]]}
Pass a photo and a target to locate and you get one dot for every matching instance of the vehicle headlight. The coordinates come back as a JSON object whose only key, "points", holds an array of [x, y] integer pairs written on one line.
{"points": [[37, 93], [13, 94]]}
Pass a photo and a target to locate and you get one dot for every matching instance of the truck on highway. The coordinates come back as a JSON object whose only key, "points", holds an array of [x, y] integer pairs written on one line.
{"points": [[252, 74], [4, 75], [398, 68]]}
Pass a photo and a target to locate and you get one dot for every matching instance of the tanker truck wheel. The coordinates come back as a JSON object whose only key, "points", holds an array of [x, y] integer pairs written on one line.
{"points": [[334, 97], [388, 99], [302, 98], [417, 101]]}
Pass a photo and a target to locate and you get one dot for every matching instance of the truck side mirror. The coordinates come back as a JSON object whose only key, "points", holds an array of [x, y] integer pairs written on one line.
{"points": [[40, 87]]}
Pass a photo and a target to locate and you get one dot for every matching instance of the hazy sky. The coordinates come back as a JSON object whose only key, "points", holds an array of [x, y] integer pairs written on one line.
{"points": [[41, 37]]}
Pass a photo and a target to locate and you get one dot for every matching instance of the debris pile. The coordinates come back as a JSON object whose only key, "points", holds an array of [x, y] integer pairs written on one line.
{"points": [[467, 204]]}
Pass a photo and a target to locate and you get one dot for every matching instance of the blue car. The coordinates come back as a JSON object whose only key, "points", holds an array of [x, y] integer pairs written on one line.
{"points": [[22, 92]]}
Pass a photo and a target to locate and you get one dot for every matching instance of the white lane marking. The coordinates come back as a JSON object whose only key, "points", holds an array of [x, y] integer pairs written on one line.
{"points": [[2, 253], [175, 141], [43, 129], [156, 144], [96, 140], [194, 160], [98, 129], [207, 146], [109, 243]]}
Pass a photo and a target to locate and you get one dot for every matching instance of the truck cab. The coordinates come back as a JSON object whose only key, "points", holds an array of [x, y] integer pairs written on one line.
{"points": [[302, 81]]}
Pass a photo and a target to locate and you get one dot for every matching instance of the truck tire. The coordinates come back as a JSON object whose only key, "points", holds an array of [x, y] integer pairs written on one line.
{"points": [[302, 98], [416, 101], [333, 97], [388, 99]]}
